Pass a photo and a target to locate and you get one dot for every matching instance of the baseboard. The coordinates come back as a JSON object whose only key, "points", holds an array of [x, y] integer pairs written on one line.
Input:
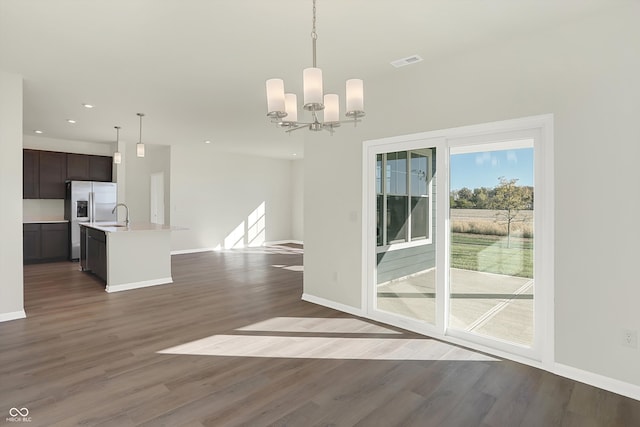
{"points": [[192, 251], [332, 304], [5, 317], [138, 285], [610, 384], [600, 381], [283, 242]]}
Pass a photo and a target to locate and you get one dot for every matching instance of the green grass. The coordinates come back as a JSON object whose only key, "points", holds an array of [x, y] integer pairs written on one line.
{"points": [[479, 252]]}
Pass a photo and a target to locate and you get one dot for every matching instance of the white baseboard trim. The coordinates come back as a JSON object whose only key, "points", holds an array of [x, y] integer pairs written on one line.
{"points": [[610, 384], [596, 380], [137, 285], [192, 251], [332, 304], [283, 242], [5, 317]]}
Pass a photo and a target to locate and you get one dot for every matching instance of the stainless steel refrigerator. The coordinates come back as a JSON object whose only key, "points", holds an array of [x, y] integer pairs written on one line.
{"points": [[88, 201]]}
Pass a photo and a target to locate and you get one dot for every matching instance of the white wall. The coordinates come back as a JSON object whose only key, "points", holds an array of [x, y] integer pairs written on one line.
{"points": [[297, 200], [138, 180], [11, 273], [218, 197], [35, 142], [586, 74]]}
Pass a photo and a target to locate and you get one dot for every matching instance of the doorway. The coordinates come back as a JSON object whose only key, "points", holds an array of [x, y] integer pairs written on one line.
{"points": [[458, 235]]}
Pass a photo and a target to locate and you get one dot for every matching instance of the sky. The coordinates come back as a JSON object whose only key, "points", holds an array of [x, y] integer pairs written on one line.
{"points": [[482, 169]]}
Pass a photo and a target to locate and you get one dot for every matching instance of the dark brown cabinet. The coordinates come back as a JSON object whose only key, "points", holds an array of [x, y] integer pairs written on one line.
{"points": [[100, 168], [53, 173], [31, 174], [77, 167], [31, 248], [96, 253], [45, 242], [44, 172]]}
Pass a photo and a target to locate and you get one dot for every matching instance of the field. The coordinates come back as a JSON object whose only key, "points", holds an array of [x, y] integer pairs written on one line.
{"points": [[479, 243]]}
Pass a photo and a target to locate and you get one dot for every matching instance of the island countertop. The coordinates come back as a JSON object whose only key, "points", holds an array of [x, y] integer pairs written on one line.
{"points": [[120, 227]]}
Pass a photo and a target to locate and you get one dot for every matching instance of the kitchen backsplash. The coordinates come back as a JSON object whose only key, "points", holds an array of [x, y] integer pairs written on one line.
{"points": [[42, 209]]}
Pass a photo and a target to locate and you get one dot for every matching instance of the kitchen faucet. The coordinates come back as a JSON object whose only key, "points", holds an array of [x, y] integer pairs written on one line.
{"points": [[126, 207]]}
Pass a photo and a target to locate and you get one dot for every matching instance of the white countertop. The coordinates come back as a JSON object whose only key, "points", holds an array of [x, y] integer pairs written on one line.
{"points": [[44, 221], [120, 227]]}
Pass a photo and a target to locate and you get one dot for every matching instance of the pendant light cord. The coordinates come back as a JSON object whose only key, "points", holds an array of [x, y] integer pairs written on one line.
{"points": [[141, 116], [314, 35]]}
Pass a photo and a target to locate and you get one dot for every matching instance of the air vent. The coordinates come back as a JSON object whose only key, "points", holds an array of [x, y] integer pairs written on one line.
{"points": [[406, 61]]}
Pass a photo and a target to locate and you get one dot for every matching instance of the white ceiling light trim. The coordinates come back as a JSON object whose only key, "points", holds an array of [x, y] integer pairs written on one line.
{"points": [[282, 107]]}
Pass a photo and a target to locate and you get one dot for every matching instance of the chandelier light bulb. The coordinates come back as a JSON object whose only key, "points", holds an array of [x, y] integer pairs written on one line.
{"points": [[312, 86], [291, 107], [331, 108], [355, 95], [275, 98]]}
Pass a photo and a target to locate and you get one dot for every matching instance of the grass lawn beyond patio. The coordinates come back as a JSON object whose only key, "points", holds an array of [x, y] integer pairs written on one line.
{"points": [[480, 252]]}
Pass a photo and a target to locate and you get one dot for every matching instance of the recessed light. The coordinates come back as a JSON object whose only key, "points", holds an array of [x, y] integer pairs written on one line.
{"points": [[207, 142], [71, 121], [37, 131], [294, 154], [87, 105]]}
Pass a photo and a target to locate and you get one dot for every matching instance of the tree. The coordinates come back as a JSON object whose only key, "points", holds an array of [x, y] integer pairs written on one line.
{"points": [[510, 199]]}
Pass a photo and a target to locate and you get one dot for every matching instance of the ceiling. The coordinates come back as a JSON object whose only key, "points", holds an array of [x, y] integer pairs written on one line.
{"points": [[197, 68]]}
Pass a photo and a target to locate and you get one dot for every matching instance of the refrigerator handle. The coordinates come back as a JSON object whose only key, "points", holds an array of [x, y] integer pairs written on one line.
{"points": [[91, 206]]}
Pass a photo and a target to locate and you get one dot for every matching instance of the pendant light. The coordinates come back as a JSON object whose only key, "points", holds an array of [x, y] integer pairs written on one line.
{"points": [[282, 107], [140, 145], [117, 157]]}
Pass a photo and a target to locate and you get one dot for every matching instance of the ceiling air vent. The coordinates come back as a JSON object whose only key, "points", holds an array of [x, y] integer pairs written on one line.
{"points": [[406, 61]]}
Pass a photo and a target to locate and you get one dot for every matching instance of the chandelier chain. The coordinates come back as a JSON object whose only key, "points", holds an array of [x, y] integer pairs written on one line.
{"points": [[314, 35]]}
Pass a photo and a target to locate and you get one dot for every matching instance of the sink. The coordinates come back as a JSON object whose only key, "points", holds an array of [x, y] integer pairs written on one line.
{"points": [[115, 225]]}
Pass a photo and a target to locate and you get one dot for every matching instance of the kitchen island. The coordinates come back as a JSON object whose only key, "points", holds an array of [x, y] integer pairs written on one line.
{"points": [[127, 256]]}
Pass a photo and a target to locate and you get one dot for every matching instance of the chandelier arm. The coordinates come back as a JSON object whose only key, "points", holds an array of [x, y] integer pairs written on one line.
{"points": [[306, 125]]}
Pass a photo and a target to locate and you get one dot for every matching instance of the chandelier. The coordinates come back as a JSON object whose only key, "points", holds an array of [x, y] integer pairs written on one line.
{"points": [[283, 107]]}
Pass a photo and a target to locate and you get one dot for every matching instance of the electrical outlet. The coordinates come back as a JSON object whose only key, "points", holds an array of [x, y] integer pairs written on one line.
{"points": [[630, 338]]}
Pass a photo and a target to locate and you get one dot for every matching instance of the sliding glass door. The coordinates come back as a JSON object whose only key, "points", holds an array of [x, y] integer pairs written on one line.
{"points": [[491, 263], [455, 242]]}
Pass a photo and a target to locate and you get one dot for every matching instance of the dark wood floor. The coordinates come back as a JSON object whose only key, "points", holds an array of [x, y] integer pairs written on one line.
{"points": [[230, 343]]}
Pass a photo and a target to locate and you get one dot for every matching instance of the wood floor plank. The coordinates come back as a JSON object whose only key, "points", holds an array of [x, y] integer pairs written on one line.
{"points": [[231, 343]]}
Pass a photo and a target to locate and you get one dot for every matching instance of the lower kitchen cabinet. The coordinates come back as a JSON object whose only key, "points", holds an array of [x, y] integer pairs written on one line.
{"points": [[43, 242], [96, 253]]}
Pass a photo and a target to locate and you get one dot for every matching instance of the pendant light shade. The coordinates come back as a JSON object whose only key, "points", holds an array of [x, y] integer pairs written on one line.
{"points": [[331, 108], [117, 157], [291, 107], [275, 98], [140, 145], [355, 97], [312, 87]]}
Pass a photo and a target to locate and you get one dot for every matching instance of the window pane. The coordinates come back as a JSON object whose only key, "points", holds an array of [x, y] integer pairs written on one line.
{"points": [[397, 173], [378, 173], [379, 219], [397, 219], [418, 174], [419, 218]]}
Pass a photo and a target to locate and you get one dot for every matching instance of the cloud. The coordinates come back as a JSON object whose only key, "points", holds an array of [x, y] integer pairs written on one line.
{"points": [[512, 157], [487, 157]]}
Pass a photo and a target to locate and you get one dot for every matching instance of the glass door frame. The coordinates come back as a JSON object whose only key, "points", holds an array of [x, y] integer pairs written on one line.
{"points": [[538, 128]]}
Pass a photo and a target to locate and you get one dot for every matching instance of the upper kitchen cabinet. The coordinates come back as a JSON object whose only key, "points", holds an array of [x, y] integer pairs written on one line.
{"points": [[44, 172], [77, 167], [31, 174], [53, 173], [100, 168], [83, 167]]}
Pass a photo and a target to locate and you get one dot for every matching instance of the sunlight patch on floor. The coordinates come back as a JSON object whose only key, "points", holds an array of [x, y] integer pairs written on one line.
{"points": [[266, 339]]}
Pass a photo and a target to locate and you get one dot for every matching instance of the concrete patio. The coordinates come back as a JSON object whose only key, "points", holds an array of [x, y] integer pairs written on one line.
{"points": [[488, 304]]}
